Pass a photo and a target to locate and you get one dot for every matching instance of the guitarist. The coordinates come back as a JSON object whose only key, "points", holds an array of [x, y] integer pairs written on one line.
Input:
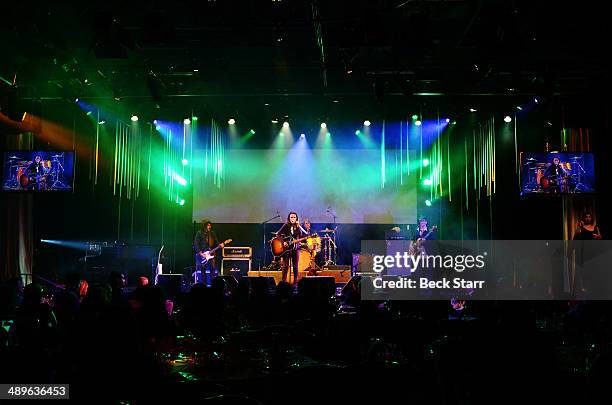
{"points": [[206, 239], [290, 230], [423, 234]]}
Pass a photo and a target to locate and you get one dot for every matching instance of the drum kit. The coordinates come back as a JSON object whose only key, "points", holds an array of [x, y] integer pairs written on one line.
{"points": [[49, 177], [308, 249]]}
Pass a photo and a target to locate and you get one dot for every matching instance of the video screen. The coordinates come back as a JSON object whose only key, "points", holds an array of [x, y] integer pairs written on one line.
{"points": [[557, 173], [38, 171]]}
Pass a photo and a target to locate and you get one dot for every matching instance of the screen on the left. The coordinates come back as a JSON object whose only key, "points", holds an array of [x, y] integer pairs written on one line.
{"points": [[38, 170]]}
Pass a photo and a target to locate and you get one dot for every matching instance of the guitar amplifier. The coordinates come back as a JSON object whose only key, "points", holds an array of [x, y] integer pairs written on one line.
{"points": [[236, 251]]}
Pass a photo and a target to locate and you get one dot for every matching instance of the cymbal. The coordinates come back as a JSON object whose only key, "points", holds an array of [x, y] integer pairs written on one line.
{"points": [[530, 159], [56, 156], [328, 230], [14, 157], [576, 157], [23, 162]]}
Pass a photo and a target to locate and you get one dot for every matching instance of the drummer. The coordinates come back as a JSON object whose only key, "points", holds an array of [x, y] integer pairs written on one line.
{"points": [[307, 226]]}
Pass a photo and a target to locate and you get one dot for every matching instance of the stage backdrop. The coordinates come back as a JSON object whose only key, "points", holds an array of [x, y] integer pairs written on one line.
{"points": [[356, 186]]}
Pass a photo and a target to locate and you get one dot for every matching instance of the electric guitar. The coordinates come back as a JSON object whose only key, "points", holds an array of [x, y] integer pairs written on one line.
{"points": [[417, 247], [206, 256]]}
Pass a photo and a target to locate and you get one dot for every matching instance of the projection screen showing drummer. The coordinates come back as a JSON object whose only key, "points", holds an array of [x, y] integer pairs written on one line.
{"points": [[38, 171], [557, 173]]}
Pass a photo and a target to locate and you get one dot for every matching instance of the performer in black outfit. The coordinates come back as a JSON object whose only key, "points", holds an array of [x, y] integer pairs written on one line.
{"points": [[423, 230], [290, 230], [586, 229], [206, 239], [36, 172], [555, 173]]}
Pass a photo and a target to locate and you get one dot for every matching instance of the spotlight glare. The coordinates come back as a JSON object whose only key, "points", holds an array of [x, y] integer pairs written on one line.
{"points": [[425, 162], [101, 122], [427, 182], [323, 125], [358, 132], [415, 117], [275, 121], [447, 120], [89, 112], [507, 119], [285, 125], [473, 110], [186, 121], [157, 127], [366, 123], [428, 203], [231, 121], [185, 162], [535, 100], [302, 136], [134, 118], [155, 122], [182, 202], [417, 123], [252, 132], [518, 107], [76, 100], [194, 118]]}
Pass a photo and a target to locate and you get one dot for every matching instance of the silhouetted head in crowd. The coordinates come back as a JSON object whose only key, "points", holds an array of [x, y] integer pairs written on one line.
{"points": [[32, 295], [117, 281], [143, 281]]}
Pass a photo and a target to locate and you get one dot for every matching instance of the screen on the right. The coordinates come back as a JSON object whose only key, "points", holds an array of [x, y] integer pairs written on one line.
{"points": [[557, 173]]}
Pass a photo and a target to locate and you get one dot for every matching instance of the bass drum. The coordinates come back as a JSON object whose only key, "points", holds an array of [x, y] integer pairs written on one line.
{"points": [[304, 259]]}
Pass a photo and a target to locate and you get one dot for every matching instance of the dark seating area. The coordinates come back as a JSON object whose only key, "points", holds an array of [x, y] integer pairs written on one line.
{"points": [[248, 344]]}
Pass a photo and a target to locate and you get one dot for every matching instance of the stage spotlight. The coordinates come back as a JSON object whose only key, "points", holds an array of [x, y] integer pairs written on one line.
{"points": [[507, 119], [428, 203], [425, 162], [185, 162], [473, 110], [535, 100], [186, 121], [427, 182], [76, 100], [134, 118], [454, 123], [518, 107], [415, 117], [101, 122], [447, 120], [275, 121], [194, 118], [182, 202], [417, 123], [231, 121], [366, 123], [154, 122], [358, 132], [323, 125], [252, 131], [157, 128], [89, 113], [285, 125], [302, 136]]}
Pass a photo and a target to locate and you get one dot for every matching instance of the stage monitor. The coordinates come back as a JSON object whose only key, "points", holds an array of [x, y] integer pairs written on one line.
{"points": [[38, 171], [557, 173]]}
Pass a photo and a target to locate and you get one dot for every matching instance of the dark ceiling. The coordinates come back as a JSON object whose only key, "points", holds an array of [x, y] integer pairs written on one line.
{"points": [[265, 49]]}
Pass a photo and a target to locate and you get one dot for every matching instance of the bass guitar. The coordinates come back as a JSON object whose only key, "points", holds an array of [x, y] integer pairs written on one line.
{"points": [[206, 256], [416, 247]]}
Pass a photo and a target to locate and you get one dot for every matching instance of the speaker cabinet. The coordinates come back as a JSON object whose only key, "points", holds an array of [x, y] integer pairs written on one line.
{"points": [[236, 266]]}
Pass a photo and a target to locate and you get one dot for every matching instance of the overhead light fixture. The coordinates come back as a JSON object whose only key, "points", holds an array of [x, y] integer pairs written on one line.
{"points": [[275, 121], [323, 125], [507, 119], [285, 125], [447, 120], [231, 121], [186, 121], [366, 123], [101, 122], [417, 123], [134, 118], [473, 110]]}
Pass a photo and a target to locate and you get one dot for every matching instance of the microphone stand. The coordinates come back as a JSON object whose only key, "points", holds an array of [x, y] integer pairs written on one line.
{"points": [[265, 252]]}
